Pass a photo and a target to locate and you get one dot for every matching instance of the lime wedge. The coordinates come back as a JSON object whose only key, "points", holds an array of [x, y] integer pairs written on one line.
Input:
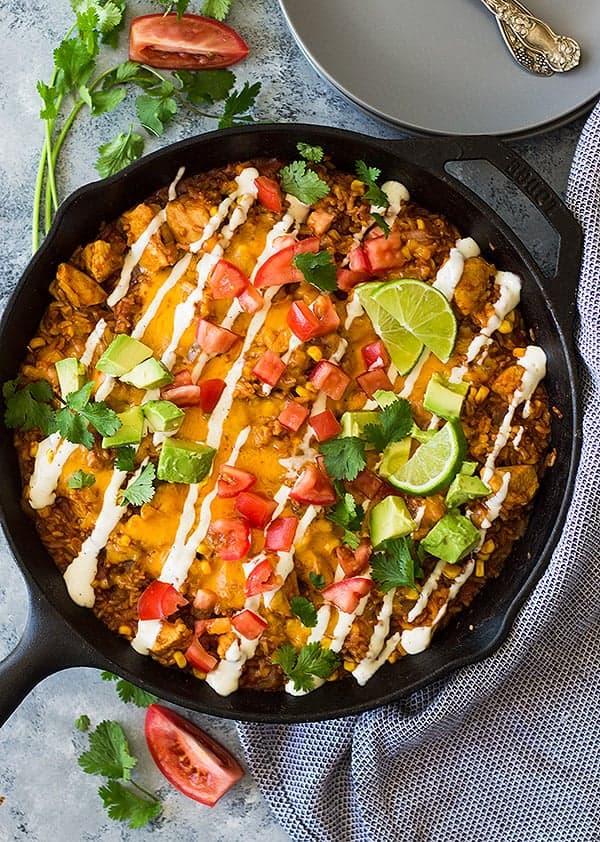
{"points": [[434, 464], [422, 310], [403, 348]]}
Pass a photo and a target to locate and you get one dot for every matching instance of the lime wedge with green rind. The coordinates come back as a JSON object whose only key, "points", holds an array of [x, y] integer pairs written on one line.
{"points": [[434, 464], [422, 310], [403, 347]]}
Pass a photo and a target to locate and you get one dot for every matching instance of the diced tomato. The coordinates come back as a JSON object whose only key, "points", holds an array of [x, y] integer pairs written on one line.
{"points": [[205, 599], [302, 321], [189, 42], [227, 281], [249, 624], [354, 562], [269, 368], [385, 252], [280, 534], [326, 313], [330, 378], [279, 269], [232, 481], [346, 594], [182, 378], [158, 601], [189, 395], [358, 261], [325, 425], [232, 537], [269, 193], [261, 578], [346, 279], [210, 392], [251, 300], [199, 658], [367, 483], [214, 339], [313, 487], [371, 381], [375, 355], [257, 509], [320, 460], [200, 626], [293, 416]]}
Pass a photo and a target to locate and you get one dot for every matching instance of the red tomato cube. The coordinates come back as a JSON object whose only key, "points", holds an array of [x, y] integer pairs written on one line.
{"points": [[269, 368], [293, 416], [280, 534], [371, 381], [375, 355], [227, 281], [214, 339], [256, 508], [331, 379], [249, 624], [325, 425]]}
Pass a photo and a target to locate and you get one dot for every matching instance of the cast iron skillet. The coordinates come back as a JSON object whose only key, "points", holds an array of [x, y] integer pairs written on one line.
{"points": [[59, 634]]}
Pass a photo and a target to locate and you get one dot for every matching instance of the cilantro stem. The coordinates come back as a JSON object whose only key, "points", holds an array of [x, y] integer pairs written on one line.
{"points": [[145, 791]]}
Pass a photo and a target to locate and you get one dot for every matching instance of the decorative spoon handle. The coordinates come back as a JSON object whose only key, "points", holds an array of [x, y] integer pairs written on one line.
{"points": [[561, 52]]}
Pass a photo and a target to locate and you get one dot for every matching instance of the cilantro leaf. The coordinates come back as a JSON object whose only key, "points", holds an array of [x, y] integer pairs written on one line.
{"points": [[100, 102], [125, 456], [129, 692], [80, 479], [120, 152], [49, 96], [369, 176], [82, 723], [303, 183], [344, 457], [218, 9], [123, 804], [318, 269], [157, 109], [74, 64], [73, 427], [208, 86], [102, 417], [382, 223], [395, 422], [393, 565], [304, 610], [301, 666], [348, 514], [237, 105], [29, 407], [72, 420], [141, 490], [317, 580], [179, 6], [108, 753], [310, 153]]}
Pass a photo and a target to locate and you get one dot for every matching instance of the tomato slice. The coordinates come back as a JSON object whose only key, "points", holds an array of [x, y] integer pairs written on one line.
{"points": [[227, 281], [371, 381], [198, 657], [280, 534], [325, 425], [261, 578], [249, 624], [313, 487], [258, 510], [205, 599], [375, 355], [232, 481], [158, 601], [293, 416], [346, 594], [214, 339], [192, 43], [269, 368], [330, 378], [232, 537], [279, 269], [385, 252], [354, 562], [269, 193], [251, 300], [210, 392], [326, 314], [189, 395], [193, 762]]}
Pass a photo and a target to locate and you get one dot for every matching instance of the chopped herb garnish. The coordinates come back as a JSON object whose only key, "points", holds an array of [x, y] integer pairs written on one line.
{"points": [[82, 723], [369, 176], [382, 223], [393, 564], [28, 407], [81, 480], [348, 514], [317, 580], [119, 152], [218, 9], [318, 269], [238, 104], [301, 666], [394, 423], [125, 458], [179, 6], [141, 490], [304, 610], [123, 804], [208, 86], [310, 153], [304, 184], [344, 457], [129, 692]]}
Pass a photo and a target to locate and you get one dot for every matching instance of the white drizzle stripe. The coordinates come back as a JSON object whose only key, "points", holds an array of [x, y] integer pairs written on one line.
{"points": [[225, 677], [133, 257], [494, 503], [426, 591], [413, 376], [147, 634], [450, 273], [285, 564], [105, 388], [49, 461], [92, 342], [367, 668], [172, 279], [172, 194]]}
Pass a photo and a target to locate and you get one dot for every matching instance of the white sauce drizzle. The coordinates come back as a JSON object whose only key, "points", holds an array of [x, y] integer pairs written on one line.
{"points": [[518, 437], [450, 273], [171, 280], [92, 342], [49, 461], [494, 503], [225, 677], [147, 634], [413, 376], [468, 247]]}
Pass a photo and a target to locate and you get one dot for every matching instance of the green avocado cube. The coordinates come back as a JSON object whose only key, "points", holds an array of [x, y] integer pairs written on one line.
{"points": [[181, 460], [354, 423], [123, 354], [468, 468], [71, 375], [130, 431], [151, 374], [163, 416], [384, 397], [452, 538], [422, 436], [394, 456], [464, 488], [444, 398], [390, 519]]}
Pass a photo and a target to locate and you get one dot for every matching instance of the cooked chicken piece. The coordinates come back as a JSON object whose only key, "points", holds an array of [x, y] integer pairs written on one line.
{"points": [[187, 218], [172, 636], [435, 509], [522, 486], [474, 289], [75, 287], [507, 382], [157, 253], [101, 259], [320, 222]]}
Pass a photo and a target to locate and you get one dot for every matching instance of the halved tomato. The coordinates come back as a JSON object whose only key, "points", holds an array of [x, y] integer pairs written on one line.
{"points": [[199, 658], [249, 624], [193, 762], [269, 368], [269, 193], [330, 378], [232, 481], [261, 579], [318, 320], [191, 43], [257, 509], [325, 425], [374, 380], [227, 281], [292, 416], [210, 392], [280, 534], [313, 487], [375, 355], [158, 601], [232, 537], [358, 261], [279, 269], [214, 339], [346, 594]]}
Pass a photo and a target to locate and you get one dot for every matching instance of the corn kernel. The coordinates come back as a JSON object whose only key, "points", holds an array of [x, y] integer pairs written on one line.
{"points": [[302, 392], [125, 630], [451, 571], [199, 674], [412, 593], [406, 252], [37, 342], [213, 211], [205, 568], [393, 657], [33, 448], [315, 353], [480, 568], [519, 352], [125, 540], [481, 394], [203, 548], [505, 326], [357, 187], [420, 225], [180, 659], [488, 546], [350, 666], [219, 626]]}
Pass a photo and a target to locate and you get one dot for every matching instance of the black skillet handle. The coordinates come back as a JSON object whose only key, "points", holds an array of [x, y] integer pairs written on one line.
{"points": [[562, 285]]}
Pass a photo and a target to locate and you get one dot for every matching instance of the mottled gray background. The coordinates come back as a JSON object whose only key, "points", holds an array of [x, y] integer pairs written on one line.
{"points": [[46, 795]]}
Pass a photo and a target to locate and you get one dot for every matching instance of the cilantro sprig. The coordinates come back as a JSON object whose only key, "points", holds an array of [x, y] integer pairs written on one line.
{"points": [[317, 580], [129, 692], [344, 457], [140, 490], [303, 665], [393, 564], [318, 269], [80, 479], [349, 515], [369, 176], [303, 183], [125, 458], [310, 153], [394, 423], [304, 610], [218, 9]]}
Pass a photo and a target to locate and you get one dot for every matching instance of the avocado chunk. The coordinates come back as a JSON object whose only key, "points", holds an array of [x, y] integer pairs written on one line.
{"points": [[422, 436], [444, 398], [151, 374], [464, 488], [71, 375], [385, 397], [394, 456], [354, 423], [390, 519], [163, 416], [181, 460], [451, 538], [130, 431], [468, 468], [123, 354]]}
